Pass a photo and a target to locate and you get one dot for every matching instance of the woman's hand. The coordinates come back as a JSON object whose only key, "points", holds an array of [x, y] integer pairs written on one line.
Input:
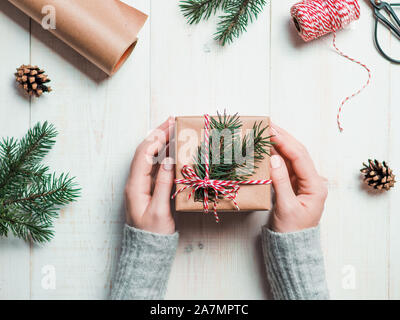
{"points": [[147, 207], [300, 191]]}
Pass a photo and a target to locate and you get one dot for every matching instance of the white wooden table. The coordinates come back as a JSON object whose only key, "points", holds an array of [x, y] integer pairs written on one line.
{"points": [[177, 69]]}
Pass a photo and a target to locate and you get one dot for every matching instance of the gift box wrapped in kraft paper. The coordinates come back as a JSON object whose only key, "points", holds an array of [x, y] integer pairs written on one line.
{"points": [[103, 31], [189, 135]]}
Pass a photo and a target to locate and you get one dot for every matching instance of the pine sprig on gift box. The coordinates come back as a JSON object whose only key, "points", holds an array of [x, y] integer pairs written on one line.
{"points": [[253, 148], [30, 196], [237, 15]]}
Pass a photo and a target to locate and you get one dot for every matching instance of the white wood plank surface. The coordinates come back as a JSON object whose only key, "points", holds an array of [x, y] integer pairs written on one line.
{"points": [[309, 80], [393, 153], [14, 121], [99, 132], [177, 69], [191, 74]]}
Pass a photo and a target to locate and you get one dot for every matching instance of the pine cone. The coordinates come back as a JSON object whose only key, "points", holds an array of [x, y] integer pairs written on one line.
{"points": [[378, 175], [32, 79]]}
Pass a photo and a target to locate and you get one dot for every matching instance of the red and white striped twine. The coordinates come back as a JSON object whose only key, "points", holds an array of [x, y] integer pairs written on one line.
{"points": [[192, 180], [315, 18]]}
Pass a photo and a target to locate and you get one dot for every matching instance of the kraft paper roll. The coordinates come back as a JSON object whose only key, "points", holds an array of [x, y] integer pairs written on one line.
{"points": [[103, 31]]}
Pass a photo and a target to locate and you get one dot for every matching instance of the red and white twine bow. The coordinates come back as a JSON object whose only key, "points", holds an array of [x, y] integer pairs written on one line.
{"points": [[192, 180], [315, 18]]}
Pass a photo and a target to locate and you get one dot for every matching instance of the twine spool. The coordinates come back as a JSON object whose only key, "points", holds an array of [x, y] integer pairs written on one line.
{"points": [[316, 18]]}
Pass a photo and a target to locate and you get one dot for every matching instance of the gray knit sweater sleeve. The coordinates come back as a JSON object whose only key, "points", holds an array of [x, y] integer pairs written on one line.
{"points": [[144, 265], [295, 264]]}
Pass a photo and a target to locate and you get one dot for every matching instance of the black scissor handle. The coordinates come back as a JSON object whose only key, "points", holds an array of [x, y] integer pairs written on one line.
{"points": [[388, 24]]}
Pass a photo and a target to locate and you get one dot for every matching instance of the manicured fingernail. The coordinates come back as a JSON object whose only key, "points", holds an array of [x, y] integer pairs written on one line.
{"points": [[168, 164], [276, 162]]}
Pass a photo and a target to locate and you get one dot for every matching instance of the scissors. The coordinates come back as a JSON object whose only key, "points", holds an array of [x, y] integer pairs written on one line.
{"points": [[379, 5]]}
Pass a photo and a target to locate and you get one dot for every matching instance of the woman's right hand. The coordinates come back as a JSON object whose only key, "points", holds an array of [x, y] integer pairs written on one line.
{"points": [[300, 191], [148, 205]]}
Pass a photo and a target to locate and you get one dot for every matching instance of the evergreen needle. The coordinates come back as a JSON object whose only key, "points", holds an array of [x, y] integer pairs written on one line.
{"points": [[226, 140], [237, 14], [30, 196]]}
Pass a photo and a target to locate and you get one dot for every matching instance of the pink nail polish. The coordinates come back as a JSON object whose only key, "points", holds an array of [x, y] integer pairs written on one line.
{"points": [[276, 162], [168, 164]]}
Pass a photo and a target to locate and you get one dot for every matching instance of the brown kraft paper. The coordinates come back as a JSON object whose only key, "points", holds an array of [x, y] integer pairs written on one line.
{"points": [[249, 198], [103, 31]]}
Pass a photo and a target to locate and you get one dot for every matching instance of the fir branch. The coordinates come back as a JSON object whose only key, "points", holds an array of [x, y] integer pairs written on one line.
{"points": [[22, 156], [238, 15], [59, 191], [30, 197], [197, 10], [24, 226], [7, 149], [44, 197], [230, 169]]}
